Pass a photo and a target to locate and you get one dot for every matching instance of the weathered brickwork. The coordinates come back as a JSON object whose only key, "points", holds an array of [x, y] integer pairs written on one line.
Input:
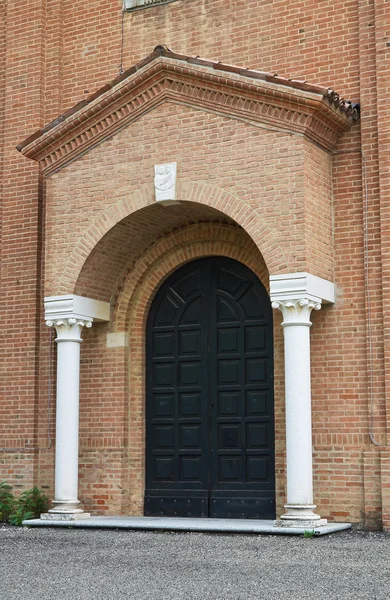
{"points": [[271, 199]]}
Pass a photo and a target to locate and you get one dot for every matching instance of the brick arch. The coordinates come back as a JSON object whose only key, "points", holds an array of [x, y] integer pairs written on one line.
{"points": [[223, 201], [185, 244], [141, 284]]}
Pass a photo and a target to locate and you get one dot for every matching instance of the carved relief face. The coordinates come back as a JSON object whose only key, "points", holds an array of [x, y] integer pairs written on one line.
{"points": [[164, 177]]}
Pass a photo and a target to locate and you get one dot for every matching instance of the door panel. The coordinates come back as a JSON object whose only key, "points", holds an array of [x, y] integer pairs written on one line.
{"points": [[210, 431]]}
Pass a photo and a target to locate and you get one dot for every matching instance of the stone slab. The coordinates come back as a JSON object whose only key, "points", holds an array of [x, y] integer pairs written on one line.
{"points": [[186, 524]]}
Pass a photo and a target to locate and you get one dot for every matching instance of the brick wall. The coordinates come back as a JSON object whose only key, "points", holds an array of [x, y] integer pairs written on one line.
{"points": [[303, 39], [21, 110]]}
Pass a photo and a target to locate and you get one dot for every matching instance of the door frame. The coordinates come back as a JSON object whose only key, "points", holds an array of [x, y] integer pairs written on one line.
{"points": [[252, 275]]}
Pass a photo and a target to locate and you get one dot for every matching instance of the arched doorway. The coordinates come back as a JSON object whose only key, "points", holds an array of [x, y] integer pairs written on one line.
{"points": [[209, 407]]}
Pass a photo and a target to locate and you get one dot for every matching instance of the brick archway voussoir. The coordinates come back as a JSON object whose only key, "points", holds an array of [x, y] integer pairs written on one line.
{"points": [[174, 250], [203, 193]]}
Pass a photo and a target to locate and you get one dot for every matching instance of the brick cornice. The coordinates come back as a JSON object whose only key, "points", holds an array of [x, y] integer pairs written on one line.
{"points": [[255, 97]]}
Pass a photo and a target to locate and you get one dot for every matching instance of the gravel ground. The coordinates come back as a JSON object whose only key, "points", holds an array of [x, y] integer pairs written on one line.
{"points": [[64, 564]]}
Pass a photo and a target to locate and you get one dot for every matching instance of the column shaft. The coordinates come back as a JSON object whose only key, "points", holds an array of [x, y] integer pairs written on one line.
{"points": [[67, 424], [298, 415]]}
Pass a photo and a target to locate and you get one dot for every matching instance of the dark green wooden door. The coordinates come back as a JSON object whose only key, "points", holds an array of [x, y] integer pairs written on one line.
{"points": [[209, 406]]}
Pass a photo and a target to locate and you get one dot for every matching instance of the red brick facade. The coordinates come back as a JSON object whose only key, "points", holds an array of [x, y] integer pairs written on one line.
{"points": [[272, 173]]}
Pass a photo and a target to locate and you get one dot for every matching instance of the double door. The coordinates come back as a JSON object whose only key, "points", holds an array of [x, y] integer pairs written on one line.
{"points": [[209, 405]]}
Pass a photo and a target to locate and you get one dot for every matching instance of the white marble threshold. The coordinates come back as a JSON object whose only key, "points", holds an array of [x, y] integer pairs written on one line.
{"points": [[186, 524]]}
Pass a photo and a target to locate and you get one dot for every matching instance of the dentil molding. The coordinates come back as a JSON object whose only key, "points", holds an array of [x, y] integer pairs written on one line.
{"points": [[313, 111]]}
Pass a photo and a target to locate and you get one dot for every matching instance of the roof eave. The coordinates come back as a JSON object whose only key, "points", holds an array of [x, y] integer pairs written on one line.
{"points": [[164, 74]]}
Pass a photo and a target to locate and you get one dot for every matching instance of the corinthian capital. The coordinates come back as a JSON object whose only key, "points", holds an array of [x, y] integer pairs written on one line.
{"points": [[296, 311], [69, 329]]}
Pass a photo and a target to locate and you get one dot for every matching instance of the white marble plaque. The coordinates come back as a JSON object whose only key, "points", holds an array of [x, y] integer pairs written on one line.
{"points": [[165, 182]]}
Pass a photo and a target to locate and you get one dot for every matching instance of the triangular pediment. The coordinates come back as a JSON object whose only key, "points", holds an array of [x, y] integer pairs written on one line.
{"points": [[317, 113]]}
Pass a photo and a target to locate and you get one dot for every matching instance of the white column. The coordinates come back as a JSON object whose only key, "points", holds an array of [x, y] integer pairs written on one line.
{"points": [[296, 327], [66, 503], [296, 295], [69, 314]]}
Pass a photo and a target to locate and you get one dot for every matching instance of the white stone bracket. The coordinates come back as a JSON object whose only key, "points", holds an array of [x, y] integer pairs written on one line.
{"points": [[295, 286], [76, 307]]}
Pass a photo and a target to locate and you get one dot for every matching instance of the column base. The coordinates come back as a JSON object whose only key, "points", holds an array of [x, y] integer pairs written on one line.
{"points": [[65, 510], [62, 516], [301, 523], [300, 515]]}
